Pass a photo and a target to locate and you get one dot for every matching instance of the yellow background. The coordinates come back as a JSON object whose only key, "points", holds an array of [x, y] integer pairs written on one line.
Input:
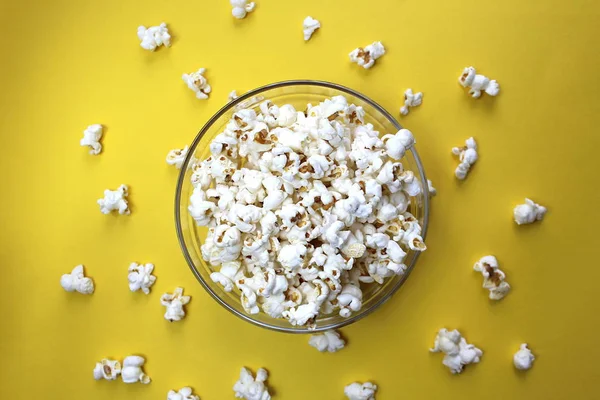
{"points": [[67, 64]]}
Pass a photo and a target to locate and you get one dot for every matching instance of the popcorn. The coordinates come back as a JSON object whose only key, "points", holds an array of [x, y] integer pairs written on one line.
{"points": [[523, 359], [458, 352], [478, 83], [76, 281], [430, 188], [397, 145], [360, 391], [232, 95], [174, 304], [132, 370], [115, 200], [327, 341], [107, 369], [467, 156], [249, 388], [366, 57], [91, 138], [411, 100], [176, 157], [528, 212], [241, 8], [198, 83], [493, 277], [310, 25], [154, 37], [184, 393], [140, 277]]}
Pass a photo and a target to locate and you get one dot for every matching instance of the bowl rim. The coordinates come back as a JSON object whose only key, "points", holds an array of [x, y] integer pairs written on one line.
{"points": [[232, 104]]}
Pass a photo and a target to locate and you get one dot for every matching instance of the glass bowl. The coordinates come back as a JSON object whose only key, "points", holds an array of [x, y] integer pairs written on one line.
{"points": [[298, 93]]}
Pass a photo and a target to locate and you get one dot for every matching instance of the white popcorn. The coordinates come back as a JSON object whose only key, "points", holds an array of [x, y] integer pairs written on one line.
{"points": [[91, 138], [76, 281], [132, 371], [176, 157], [249, 388], [493, 277], [397, 145], [154, 37], [107, 369], [198, 83], [478, 83], [467, 156], [140, 277], [528, 212], [174, 304], [411, 100], [184, 393], [115, 200], [360, 391], [430, 188], [523, 358], [232, 95], [366, 57], [458, 352], [309, 26], [329, 341], [241, 8]]}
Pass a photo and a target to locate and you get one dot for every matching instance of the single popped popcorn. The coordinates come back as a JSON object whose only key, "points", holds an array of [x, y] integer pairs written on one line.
{"points": [[411, 100], [360, 391], [107, 369], [366, 57], [76, 281], [91, 138], [174, 304], [232, 95], [184, 393], [115, 200], [478, 83], [329, 341], [523, 358], [177, 157], [241, 8], [198, 83], [309, 26], [467, 156], [528, 212], [140, 277], [132, 371], [493, 277], [249, 388], [154, 37], [432, 190], [458, 352]]}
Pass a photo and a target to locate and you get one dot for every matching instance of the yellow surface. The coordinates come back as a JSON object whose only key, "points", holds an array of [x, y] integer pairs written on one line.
{"points": [[67, 64]]}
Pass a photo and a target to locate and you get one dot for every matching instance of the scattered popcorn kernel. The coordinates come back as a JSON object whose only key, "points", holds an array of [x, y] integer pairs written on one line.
{"points": [[478, 83], [174, 304], [233, 95], [140, 277], [458, 352], [184, 393], [115, 200], [523, 359], [132, 371], [411, 100], [76, 281], [107, 369], [360, 391], [241, 8], [528, 212], [91, 138], [310, 25], [467, 156], [154, 37], [493, 277], [366, 57], [249, 388], [329, 341], [198, 83], [432, 190], [176, 157]]}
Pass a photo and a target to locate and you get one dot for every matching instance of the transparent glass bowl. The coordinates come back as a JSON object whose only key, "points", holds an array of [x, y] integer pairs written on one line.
{"points": [[299, 94]]}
